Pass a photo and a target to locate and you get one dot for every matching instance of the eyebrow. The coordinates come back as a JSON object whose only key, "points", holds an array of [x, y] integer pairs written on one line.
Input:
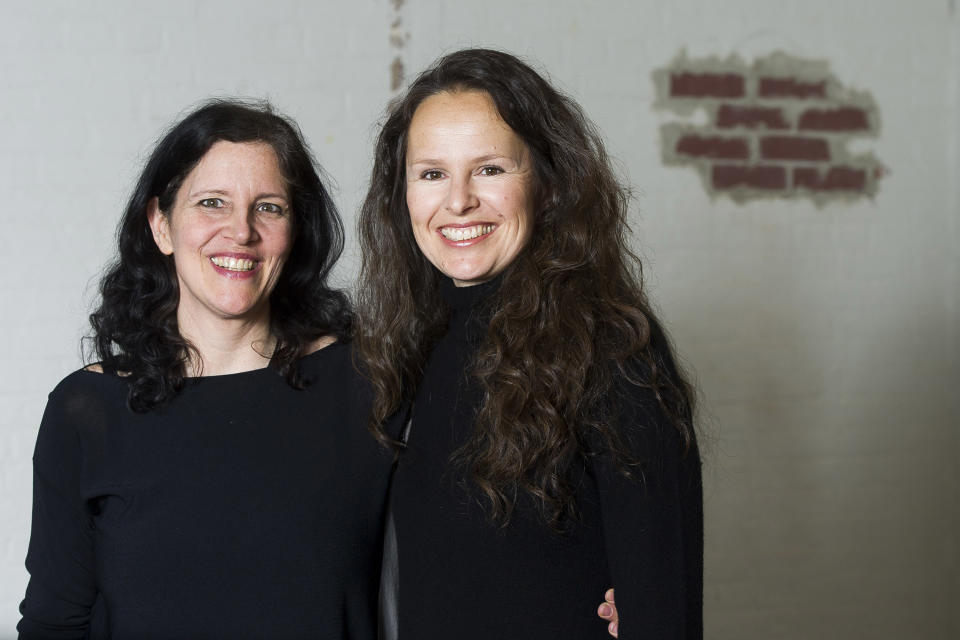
{"points": [[221, 192], [477, 160]]}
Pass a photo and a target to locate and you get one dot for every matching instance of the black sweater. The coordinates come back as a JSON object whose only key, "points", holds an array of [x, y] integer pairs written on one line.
{"points": [[244, 509], [462, 577]]}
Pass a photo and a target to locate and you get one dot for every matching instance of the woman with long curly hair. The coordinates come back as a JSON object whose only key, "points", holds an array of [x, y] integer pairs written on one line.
{"points": [[549, 448], [211, 476]]}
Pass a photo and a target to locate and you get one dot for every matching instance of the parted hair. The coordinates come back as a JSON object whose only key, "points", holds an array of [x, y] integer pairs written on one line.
{"points": [[568, 324], [134, 328]]}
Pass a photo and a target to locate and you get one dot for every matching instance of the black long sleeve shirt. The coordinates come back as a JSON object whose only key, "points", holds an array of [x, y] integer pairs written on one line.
{"points": [[460, 576], [243, 509]]}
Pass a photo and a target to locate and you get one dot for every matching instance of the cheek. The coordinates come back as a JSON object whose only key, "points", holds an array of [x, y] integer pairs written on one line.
{"points": [[416, 207], [190, 229], [521, 203], [186, 237], [281, 238]]}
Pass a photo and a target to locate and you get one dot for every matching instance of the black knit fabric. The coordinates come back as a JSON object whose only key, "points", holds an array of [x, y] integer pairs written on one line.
{"points": [[460, 576], [244, 509]]}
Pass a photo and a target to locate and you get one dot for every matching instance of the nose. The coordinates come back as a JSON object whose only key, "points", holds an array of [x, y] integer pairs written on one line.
{"points": [[241, 227], [461, 197]]}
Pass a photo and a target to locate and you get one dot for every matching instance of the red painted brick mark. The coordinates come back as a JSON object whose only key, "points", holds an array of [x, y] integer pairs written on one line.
{"points": [[842, 119], [707, 85], [713, 147], [792, 88], [806, 177], [793, 148], [726, 176], [839, 178], [733, 116]]}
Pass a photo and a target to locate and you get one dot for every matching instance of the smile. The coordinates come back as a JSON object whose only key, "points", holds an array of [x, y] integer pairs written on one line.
{"points": [[458, 234], [233, 264]]}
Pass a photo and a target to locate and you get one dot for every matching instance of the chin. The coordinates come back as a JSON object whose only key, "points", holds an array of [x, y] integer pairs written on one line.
{"points": [[469, 272], [237, 309], [470, 279]]}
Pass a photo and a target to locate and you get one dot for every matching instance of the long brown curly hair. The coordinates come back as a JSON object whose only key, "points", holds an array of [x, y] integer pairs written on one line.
{"points": [[569, 323]]}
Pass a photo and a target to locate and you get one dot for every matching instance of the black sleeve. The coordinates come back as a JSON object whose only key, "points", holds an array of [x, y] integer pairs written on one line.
{"points": [[653, 525], [62, 585]]}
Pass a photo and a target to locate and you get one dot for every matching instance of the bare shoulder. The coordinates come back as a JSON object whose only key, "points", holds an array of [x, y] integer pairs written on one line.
{"points": [[318, 344]]}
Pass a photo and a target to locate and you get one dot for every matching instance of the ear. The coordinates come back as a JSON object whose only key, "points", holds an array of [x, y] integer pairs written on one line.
{"points": [[160, 226]]}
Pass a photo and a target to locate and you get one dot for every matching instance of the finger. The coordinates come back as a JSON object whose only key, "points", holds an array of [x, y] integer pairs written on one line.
{"points": [[605, 611], [608, 596], [612, 629]]}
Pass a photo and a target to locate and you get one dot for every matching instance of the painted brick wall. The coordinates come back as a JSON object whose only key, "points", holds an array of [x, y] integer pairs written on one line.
{"points": [[779, 127], [824, 336]]}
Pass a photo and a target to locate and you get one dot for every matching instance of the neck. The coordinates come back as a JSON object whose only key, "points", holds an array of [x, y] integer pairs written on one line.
{"points": [[226, 345]]}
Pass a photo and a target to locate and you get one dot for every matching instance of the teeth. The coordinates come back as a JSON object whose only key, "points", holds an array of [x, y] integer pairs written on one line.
{"points": [[465, 233], [232, 263]]}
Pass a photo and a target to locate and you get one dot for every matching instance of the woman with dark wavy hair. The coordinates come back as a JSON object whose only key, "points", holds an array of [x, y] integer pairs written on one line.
{"points": [[550, 449], [211, 476]]}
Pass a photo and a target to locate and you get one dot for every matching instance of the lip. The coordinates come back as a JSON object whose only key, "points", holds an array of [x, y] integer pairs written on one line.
{"points": [[235, 275], [464, 225]]}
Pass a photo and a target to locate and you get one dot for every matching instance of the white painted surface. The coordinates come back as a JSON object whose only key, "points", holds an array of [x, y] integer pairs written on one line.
{"points": [[825, 341]]}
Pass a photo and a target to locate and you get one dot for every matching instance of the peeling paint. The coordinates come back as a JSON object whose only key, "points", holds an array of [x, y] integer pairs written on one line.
{"points": [[396, 74], [779, 127], [398, 38]]}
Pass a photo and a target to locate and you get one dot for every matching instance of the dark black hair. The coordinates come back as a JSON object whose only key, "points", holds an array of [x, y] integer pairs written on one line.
{"points": [[135, 326]]}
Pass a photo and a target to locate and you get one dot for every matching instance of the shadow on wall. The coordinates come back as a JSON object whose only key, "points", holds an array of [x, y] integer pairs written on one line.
{"points": [[831, 496]]}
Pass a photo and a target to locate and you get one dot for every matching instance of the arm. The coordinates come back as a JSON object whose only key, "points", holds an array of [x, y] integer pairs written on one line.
{"points": [[653, 526], [60, 560]]}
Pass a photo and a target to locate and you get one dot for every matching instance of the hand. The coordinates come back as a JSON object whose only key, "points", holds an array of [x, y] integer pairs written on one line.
{"points": [[608, 611]]}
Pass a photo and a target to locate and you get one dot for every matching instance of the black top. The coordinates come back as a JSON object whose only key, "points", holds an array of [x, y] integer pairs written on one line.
{"points": [[461, 576], [244, 509]]}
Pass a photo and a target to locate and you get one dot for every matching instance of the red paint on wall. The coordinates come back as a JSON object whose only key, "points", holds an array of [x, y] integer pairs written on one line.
{"points": [[838, 178], [794, 148], [778, 127], [713, 147], [727, 176], [842, 119], [791, 88], [707, 85], [729, 116]]}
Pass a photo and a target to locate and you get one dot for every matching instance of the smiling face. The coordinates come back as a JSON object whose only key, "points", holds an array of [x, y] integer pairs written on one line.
{"points": [[469, 183], [230, 231]]}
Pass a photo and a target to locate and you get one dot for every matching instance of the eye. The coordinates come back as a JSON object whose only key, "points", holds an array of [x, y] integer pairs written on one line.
{"points": [[490, 170], [211, 203], [431, 174], [269, 207]]}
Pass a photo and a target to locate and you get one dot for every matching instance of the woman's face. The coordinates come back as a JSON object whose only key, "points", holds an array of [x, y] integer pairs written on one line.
{"points": [[230, 231], [469, 183]]}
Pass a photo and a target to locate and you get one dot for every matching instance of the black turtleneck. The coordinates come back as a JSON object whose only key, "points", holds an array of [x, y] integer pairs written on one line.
{"points": [[462, 576]]}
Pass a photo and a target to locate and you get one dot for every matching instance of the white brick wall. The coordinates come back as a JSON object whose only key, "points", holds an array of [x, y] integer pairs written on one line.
{"points": [[825, 340]]}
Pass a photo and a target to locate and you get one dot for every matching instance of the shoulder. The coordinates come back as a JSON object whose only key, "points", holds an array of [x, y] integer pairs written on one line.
{"points": [[320, 343], [88, 382], [322, 350], [81, 402], [333, 372], [330, 361], [645, 411]]}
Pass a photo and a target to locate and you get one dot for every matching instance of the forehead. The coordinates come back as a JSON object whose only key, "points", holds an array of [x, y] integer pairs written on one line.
{"points": [[238, 164], [460, 116]]}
